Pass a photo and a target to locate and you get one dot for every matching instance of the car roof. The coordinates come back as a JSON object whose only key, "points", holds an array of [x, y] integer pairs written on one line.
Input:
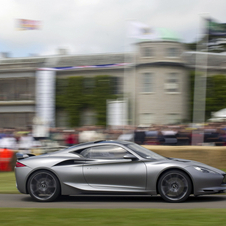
{"points": [[112, 141], [105, 142], [94, 142]]}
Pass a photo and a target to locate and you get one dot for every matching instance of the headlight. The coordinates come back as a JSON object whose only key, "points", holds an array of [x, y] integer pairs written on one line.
{"points": [[224, 180], [203, 170]]}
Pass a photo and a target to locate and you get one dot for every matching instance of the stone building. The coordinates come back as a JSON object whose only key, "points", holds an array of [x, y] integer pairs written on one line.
{"points": [[17, 91], [155, 82]]}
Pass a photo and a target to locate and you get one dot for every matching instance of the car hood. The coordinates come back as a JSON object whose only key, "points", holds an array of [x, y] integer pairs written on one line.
{"points": [[187, 163]]}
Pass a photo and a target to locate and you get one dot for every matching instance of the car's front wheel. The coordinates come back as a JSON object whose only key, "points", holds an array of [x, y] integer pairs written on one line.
{"points": [[43, 186], [174, 186]]}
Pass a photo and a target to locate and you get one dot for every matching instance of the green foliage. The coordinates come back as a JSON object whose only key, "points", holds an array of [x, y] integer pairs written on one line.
{"points": [[74, 94], [215, 94], [191, 46], [191, 99], [8, 183]]}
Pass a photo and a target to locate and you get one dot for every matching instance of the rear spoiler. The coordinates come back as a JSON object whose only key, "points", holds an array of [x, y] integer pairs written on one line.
{"points": [[23, 156]]}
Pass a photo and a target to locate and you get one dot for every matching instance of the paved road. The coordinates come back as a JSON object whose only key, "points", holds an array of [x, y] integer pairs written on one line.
{"points": [[106, 202]]}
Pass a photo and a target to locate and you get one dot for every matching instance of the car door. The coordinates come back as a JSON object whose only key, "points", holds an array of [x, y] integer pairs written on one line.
{"points": [[107, 169]]}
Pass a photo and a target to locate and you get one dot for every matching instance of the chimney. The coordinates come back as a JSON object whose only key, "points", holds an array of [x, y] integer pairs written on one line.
{"points": [[5, 55], [62, 51]]}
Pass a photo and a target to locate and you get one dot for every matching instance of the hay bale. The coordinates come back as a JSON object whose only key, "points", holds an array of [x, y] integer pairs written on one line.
{"points": [[213, 156]]}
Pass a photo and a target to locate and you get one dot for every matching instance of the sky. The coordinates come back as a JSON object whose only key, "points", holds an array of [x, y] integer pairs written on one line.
{"points": [[97, 26]]}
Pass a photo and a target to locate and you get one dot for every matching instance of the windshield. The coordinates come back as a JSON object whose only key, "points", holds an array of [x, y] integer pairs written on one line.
{"points": [[144, 152]]}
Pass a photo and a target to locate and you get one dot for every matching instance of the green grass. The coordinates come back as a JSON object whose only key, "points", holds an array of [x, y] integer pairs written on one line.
{"points": [[124, 217], [8, 183]]}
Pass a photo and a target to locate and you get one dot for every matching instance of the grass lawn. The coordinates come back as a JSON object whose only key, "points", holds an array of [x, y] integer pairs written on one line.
{"points": [[8, 183], [98, 217]]}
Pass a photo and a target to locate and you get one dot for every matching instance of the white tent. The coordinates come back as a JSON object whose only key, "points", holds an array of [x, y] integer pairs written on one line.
{"points": [[218, 116]]}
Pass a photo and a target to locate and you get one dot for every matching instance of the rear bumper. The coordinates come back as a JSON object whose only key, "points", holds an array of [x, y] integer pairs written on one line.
{"points": [[21, 174]]}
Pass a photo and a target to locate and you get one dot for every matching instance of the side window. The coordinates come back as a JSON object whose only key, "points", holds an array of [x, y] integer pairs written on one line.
{"points": [[173, 52], [147, 82], [104, 152], [147, 52], [172, 83]]}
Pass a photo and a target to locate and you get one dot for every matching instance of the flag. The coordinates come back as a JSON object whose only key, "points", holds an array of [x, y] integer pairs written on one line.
{"points": [[24, 24], [142, 31], [215, 29]]}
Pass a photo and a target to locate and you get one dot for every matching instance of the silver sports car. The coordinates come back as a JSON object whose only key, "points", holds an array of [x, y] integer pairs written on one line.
{"points": [[114, 167]]}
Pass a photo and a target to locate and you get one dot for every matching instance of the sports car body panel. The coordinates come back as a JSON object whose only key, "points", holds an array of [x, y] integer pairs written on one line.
{"points": [[112, 167]]}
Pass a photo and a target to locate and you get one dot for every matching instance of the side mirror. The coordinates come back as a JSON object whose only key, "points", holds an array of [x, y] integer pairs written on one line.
{"points": [[130, 156]]}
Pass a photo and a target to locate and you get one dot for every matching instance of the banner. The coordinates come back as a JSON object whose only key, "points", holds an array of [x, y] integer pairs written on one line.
{"points": [[23, 24], [45, 97], [215, 29], [84, 67]]}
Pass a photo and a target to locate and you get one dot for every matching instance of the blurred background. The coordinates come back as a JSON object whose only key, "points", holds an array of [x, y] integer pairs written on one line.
{"points": [[151, 72]]}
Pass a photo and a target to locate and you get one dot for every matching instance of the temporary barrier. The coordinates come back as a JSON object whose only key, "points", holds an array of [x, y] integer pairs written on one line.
{"points": [[211, 155], [5, 159]]}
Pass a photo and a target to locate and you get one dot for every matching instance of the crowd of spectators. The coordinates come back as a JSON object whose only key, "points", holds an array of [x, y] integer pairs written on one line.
{"points": [[208, 134]]}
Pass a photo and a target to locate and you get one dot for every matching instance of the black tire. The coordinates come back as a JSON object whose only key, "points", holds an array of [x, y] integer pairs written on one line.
{"points": [[174, 186], [43, 186]]}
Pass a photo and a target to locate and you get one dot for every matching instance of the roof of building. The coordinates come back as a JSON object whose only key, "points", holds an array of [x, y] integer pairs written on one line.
{"points": [[161, 34]]}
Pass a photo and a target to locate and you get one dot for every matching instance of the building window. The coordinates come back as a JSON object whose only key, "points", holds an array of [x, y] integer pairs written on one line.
{"points": [[147, 83], [172, 83], [147, 52], [172, 52], [173, 119], [116, 84], [16, 119], [5, 90], [88, 84], [146, 119], [88, 117], [17, 89]]}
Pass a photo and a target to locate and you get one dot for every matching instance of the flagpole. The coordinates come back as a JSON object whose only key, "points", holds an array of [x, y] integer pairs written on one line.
{"points": [[124, 117], [199, 103], [136, 32], [132, 69], [135, 90]]}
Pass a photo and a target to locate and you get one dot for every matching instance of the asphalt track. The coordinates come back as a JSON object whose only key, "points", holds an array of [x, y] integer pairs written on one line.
{"points": [[112, 202]]}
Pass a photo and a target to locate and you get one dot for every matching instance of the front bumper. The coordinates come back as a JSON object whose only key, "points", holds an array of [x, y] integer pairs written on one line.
{"points": [[211, 190], [207, 183]]}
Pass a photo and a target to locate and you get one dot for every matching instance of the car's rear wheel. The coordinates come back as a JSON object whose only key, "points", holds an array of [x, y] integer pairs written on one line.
{"points": [[43, 186], [174, 186]]}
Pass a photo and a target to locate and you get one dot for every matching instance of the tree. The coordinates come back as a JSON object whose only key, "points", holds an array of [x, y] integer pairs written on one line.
{"points": [[73, 94], [215, 94]]}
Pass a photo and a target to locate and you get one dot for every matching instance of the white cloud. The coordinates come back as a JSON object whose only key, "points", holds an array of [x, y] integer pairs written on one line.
{"points": [[96, 26]]}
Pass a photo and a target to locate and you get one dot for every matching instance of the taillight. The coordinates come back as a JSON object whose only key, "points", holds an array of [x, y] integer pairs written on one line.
{"points": [[18, 164]]}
